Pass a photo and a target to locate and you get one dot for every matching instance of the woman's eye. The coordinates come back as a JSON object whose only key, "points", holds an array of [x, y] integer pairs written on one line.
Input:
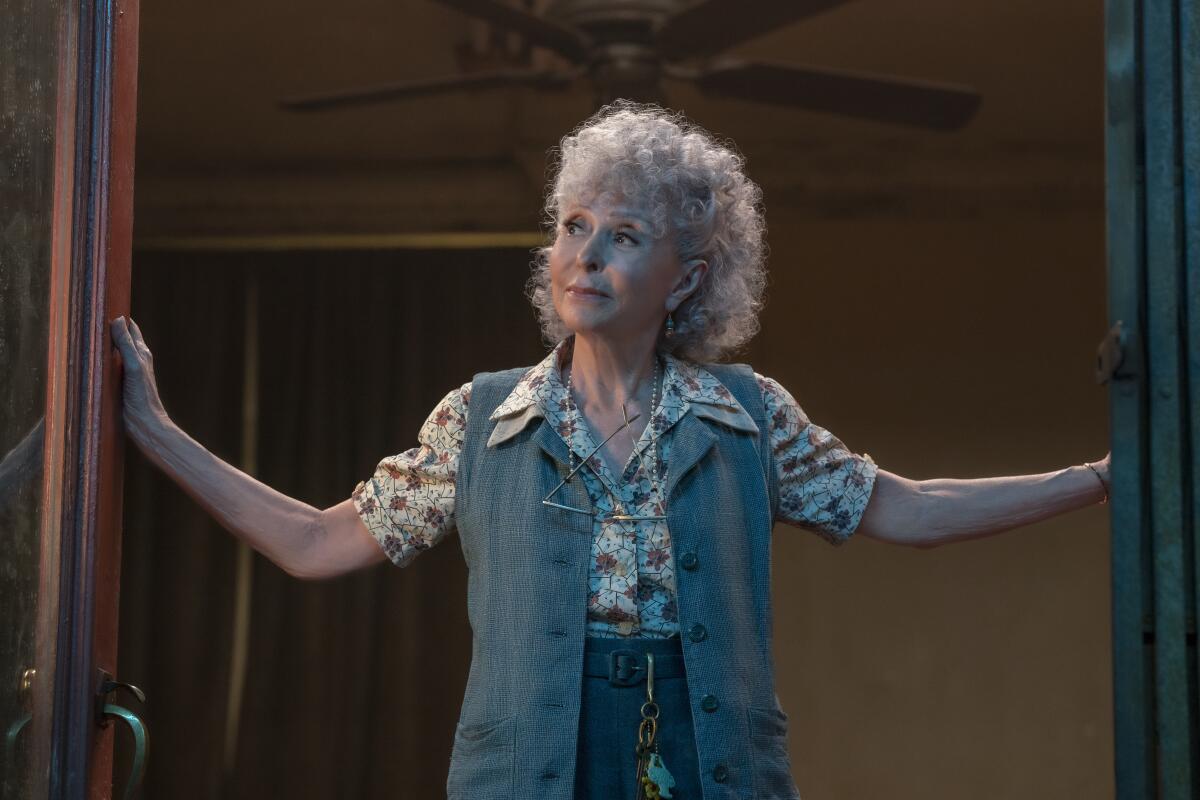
{"points": [[570, 228], [623, 238]]}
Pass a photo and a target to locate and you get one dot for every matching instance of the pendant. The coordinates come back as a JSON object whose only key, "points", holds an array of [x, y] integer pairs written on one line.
{"points": [[658, 774]]}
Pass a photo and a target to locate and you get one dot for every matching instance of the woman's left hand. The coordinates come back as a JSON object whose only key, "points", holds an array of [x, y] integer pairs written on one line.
{"points": [[1102, 468]]}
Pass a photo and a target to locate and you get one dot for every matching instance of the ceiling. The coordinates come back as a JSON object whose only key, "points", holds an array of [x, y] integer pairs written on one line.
{"points": [[216, 154]]}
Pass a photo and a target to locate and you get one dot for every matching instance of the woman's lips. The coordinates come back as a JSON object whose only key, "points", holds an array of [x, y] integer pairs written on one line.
{"points": [[583, 291]]}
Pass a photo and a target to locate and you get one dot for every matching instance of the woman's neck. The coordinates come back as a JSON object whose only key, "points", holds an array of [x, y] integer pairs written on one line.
{"points": [[606, 377]]}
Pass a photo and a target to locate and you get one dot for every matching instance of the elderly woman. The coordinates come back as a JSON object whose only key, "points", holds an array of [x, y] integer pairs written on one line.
{"points": [[615, 502]]}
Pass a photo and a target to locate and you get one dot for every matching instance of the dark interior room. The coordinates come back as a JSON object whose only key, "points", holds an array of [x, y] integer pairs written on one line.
{"points": [[312, 283]]}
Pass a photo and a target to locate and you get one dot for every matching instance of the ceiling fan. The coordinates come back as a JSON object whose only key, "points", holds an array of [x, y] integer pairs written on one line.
{"points": [[627, 47]]}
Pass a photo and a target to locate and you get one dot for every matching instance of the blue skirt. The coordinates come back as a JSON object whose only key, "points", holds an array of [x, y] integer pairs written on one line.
{"points": [[606, 760]]}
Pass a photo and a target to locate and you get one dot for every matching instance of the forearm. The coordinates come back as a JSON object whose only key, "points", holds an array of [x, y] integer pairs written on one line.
{"points": [[281, 528], [952, 510]]}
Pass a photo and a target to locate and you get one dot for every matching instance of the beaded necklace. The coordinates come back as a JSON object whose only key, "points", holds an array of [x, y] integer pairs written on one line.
{"points": [[650, 471]]}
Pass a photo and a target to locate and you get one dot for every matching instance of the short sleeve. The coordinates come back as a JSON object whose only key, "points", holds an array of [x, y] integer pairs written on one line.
{"points": [[408, 504], [823, 486]]}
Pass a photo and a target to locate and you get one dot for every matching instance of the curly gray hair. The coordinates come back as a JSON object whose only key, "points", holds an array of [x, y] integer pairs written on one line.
{"points": [[694, 188]]}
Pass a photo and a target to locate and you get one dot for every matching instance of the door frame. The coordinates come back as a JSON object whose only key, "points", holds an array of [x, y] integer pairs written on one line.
{"points": [[1152, 143], [100, 185]]}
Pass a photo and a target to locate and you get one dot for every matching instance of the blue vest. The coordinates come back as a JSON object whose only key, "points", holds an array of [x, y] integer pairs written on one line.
{"points": [[527, 600]]}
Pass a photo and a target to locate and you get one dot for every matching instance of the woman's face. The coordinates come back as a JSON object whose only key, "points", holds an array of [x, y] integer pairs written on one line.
{"points": [[610, 276]]}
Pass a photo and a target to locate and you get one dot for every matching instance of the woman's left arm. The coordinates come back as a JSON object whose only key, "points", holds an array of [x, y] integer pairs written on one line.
{"points": [[942, 510]]}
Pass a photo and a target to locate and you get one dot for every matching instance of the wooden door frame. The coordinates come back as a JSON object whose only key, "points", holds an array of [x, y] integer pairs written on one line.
{"points": [[101, 239]]}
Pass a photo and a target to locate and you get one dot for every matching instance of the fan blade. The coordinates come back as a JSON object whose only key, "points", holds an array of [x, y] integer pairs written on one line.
{"points": [[711, 26], [535, 29], [402, 89], [876, 97]]}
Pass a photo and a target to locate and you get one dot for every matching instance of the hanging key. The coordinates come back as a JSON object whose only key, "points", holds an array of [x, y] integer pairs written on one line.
{"points": [[653, 778], [647, 734]]}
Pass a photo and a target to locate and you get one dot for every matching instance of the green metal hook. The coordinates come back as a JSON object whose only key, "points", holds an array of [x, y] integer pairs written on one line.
{"points": [[10, 742], [141, 745]]}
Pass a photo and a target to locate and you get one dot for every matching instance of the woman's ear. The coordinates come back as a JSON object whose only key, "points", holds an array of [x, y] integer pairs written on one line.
{"points": [[693, 274]]}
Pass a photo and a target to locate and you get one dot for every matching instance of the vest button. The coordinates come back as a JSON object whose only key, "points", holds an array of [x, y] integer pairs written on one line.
{"points": [[720, 773], [697, 633], [709, 703], [689, 561]]}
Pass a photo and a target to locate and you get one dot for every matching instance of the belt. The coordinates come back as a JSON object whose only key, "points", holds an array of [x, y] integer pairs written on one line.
{"points": [[625, 665]]}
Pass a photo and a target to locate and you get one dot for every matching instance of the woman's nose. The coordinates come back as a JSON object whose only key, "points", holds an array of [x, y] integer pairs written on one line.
{"points": [[589, 256]]}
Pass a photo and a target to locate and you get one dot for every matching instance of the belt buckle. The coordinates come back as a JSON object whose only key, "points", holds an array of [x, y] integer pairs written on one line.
{"points": [[624, 667]]}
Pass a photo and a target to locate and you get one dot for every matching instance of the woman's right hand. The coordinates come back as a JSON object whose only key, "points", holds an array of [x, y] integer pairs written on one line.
{"points": [[142, 409]]}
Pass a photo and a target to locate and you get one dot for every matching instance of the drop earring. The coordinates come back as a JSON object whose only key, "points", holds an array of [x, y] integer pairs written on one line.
{"points": [[670, 326]]}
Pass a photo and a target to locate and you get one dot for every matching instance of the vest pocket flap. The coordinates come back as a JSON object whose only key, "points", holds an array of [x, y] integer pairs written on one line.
{"points": [[483, 761]]}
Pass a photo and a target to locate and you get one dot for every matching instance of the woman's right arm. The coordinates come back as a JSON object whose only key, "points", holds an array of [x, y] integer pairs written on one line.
{"points": [[302, 540]]}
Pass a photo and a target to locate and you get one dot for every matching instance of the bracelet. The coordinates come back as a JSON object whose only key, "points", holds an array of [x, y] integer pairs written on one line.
{"points": [[1102, 483]]}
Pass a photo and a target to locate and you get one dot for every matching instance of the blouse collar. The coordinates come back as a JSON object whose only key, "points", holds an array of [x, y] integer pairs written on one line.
{"points": [[686, 387]]}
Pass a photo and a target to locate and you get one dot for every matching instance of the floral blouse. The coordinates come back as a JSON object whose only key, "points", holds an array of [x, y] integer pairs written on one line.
{"points": [[408, 504]]}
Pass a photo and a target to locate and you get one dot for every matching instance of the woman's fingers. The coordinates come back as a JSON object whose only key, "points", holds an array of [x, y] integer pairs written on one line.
{"points": [[1105, 465], [140, 391], [142, 347], [126, 330], [142, 408], [134, 354], [123, 340]]}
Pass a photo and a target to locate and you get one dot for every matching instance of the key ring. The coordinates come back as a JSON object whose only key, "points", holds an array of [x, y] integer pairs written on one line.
{"points": [[646, 733]]}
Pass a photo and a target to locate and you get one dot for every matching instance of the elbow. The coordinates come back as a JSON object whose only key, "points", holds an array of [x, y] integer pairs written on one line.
{"points": [[918, 540], [303, 572], [308, 572], [304, 560], [898, 512]]}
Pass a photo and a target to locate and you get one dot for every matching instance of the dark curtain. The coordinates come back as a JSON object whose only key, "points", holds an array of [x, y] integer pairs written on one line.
{"points": [[354, 684]]}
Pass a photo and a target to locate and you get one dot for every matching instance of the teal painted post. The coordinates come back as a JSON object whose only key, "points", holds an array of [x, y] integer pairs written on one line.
{"points": [[1189, 68], [1132, 603], [1153, 166], [1175, 708]]}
